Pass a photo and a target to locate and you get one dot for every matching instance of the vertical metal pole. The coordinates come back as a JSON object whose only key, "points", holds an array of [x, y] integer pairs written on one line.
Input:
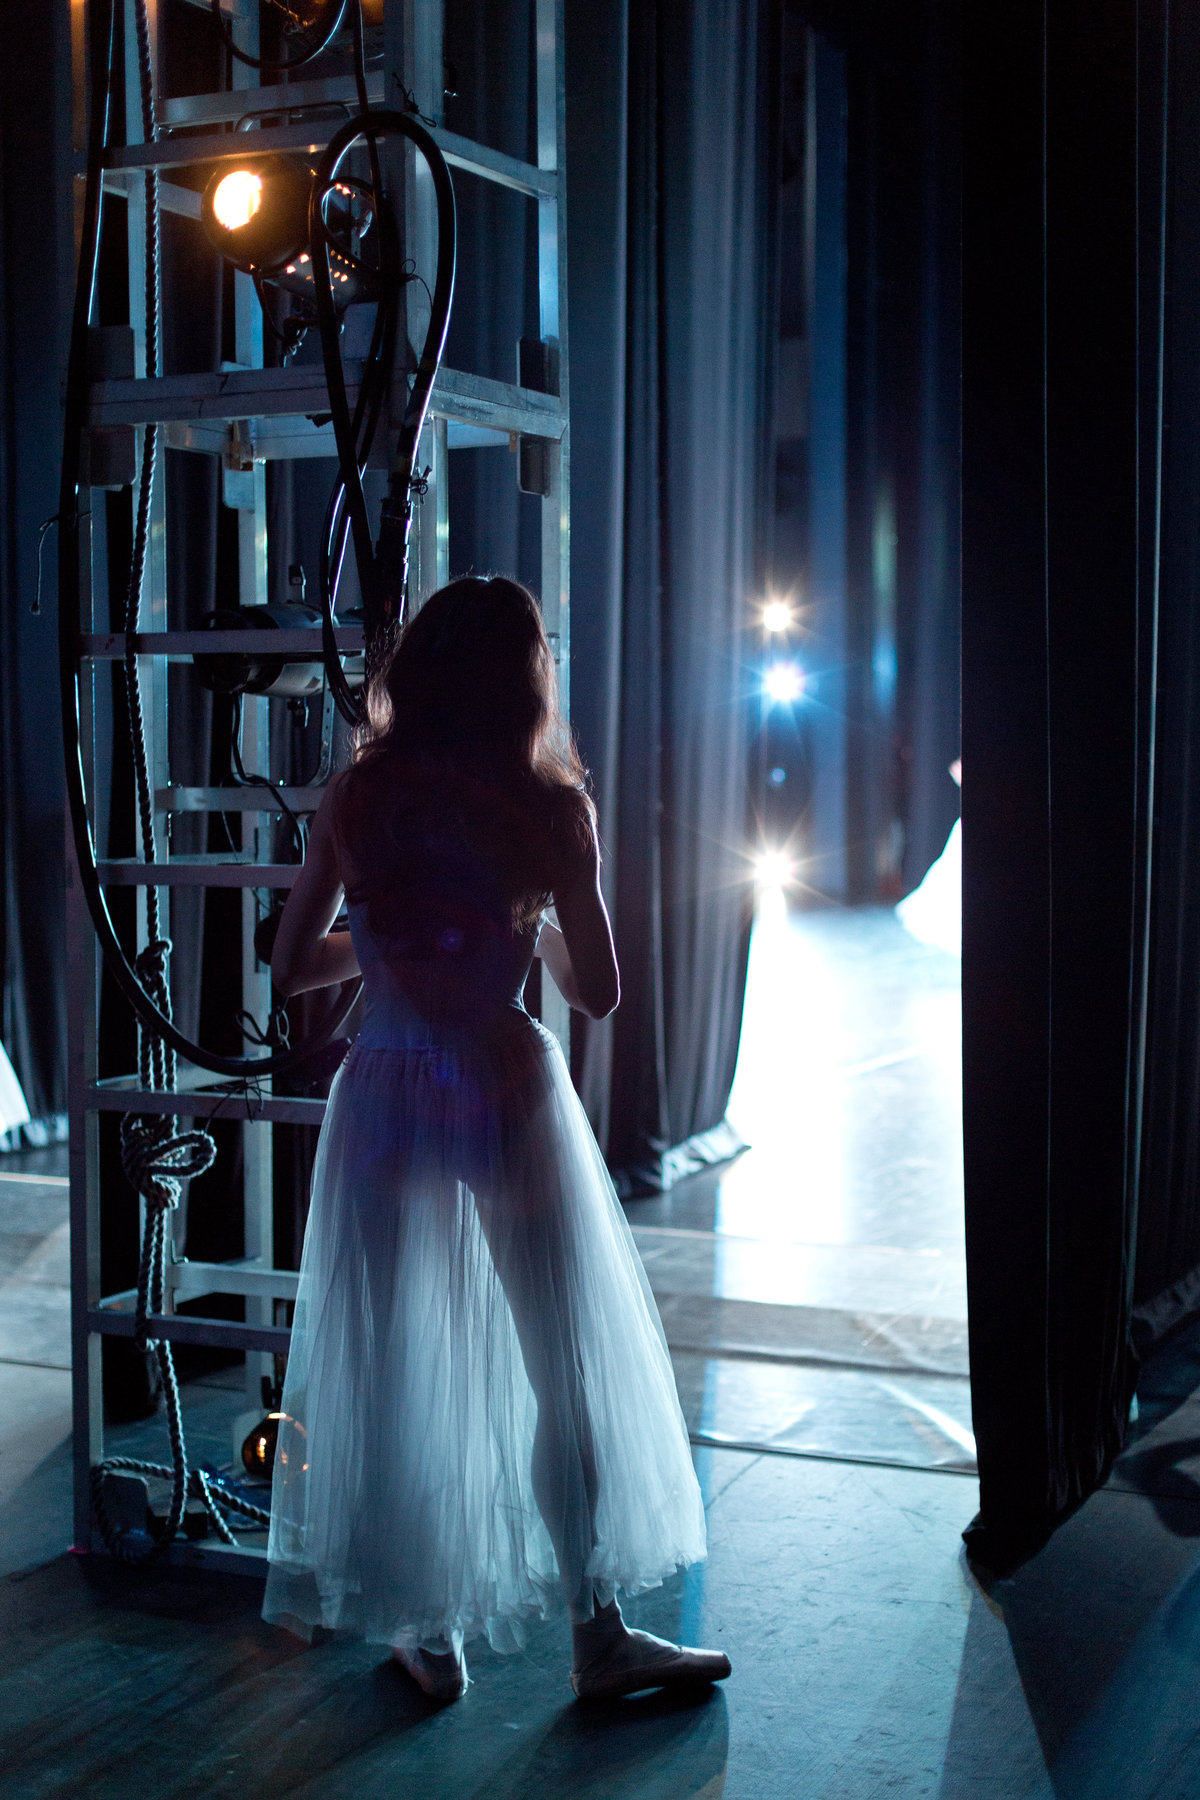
{"points": [[83, 987], [258, 1203], [552, 318], [83, 994], [438, 500]]}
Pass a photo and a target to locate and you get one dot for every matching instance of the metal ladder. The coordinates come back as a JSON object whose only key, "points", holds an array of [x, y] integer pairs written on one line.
{"points": [[270, 410]]}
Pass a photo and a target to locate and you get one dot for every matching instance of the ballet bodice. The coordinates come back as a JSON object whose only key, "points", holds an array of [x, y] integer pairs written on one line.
{"points": [[459, 974]]}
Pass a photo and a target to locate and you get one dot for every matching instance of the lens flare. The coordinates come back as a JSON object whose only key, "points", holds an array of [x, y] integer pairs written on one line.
{"points": [[237, 198], [777, 615], [774, 869], [783, 682]]}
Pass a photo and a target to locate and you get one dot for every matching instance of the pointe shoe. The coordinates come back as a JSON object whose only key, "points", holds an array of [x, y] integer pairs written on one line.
{"points": [[610, 1678], [441, 1677]]}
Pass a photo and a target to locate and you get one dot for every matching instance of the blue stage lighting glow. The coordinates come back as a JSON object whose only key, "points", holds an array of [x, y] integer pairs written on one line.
{"points": [[783, 682]]}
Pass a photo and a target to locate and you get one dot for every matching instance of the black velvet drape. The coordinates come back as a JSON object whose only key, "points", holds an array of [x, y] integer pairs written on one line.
{"points": [[902, 451], [1061, 248], [1167, 1286], [36, 283], [671, 282]]}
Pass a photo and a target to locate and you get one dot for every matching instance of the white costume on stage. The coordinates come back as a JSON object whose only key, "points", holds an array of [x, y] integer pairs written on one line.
{"points": [[480, 1412]]}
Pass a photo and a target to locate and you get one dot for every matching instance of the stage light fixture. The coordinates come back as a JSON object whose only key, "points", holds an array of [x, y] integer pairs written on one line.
{"points": [[258, 1451], [257, 215], [777, 616], [783, 682], [283, 677], [236, 198]]}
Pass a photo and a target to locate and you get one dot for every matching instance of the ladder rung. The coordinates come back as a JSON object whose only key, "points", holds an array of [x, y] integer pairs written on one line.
{"points": [[222, 146], [188, 1280], [172, 197], [108, 646], [293, 439], [176, 1328], [240, 103], [235, 799], [195, 871], [265, 393], [493, 165], [125, 1094]]}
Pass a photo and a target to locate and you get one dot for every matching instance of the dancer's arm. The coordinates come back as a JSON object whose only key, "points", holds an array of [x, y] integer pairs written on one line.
{"points": [[580, 956], [307, 954]]}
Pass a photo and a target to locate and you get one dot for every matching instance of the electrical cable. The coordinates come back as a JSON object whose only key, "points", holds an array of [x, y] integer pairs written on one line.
{"points": [[275, 65], [72, 552], [383, 571], [245, 778]]}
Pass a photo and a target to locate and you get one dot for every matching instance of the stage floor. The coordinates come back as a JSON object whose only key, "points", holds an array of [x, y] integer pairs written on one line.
{"points": [[867, 1660], [814, 1290]]}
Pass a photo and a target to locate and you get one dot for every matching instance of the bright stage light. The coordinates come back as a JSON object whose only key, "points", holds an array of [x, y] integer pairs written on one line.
{"points": [[774, 869], [236, 199], [777, 615], [783, 682], [257, 216]]}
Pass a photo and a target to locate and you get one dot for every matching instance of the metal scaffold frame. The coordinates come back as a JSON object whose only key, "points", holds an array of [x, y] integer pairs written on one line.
{"points": [[273, 411]]}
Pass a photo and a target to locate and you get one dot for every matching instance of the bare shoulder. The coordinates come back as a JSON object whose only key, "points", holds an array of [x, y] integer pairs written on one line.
{"points": [[577, 844]]}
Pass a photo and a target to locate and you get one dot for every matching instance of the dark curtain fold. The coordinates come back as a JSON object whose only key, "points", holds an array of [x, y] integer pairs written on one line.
{"points": [[1167, 1287], [670, 186], [902, 131], [36, 283], [1059, 362]]}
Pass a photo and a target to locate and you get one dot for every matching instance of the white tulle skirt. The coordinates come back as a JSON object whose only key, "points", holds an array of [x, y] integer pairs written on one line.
{"points": [[933, 911], [480, 1413]]}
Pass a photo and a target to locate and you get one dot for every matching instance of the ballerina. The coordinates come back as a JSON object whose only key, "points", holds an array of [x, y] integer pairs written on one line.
{"points": [[480, 1420]]}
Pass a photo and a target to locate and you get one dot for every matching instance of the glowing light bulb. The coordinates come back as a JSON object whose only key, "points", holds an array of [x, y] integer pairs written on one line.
{"points": [[777, 615], [237, 198], [773, 868], [783, 682]]}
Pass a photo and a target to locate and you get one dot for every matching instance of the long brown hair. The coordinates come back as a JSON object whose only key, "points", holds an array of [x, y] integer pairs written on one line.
{"points": [[464, 771]]}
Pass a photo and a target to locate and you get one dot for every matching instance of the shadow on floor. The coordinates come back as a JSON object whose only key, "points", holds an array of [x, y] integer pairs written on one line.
{"points": [[166, 1681], [1101, 1630]]}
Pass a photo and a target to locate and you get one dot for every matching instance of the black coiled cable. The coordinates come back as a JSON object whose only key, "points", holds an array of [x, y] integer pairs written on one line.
{"points": [[73, 548]]}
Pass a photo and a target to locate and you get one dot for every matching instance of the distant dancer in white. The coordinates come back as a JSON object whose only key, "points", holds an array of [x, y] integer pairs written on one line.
{"points": [[13, 1109], [481, 1420], [933, 911]]}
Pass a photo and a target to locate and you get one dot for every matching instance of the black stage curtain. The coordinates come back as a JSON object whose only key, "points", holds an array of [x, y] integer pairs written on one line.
{"points": [[1167, 1286], [670, 176], [36, 284], [1061, 229], [902, 450]]}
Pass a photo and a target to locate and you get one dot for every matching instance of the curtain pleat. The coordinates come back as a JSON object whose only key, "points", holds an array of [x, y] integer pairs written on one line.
{"points": [[670, 220], [1059, 231]]}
